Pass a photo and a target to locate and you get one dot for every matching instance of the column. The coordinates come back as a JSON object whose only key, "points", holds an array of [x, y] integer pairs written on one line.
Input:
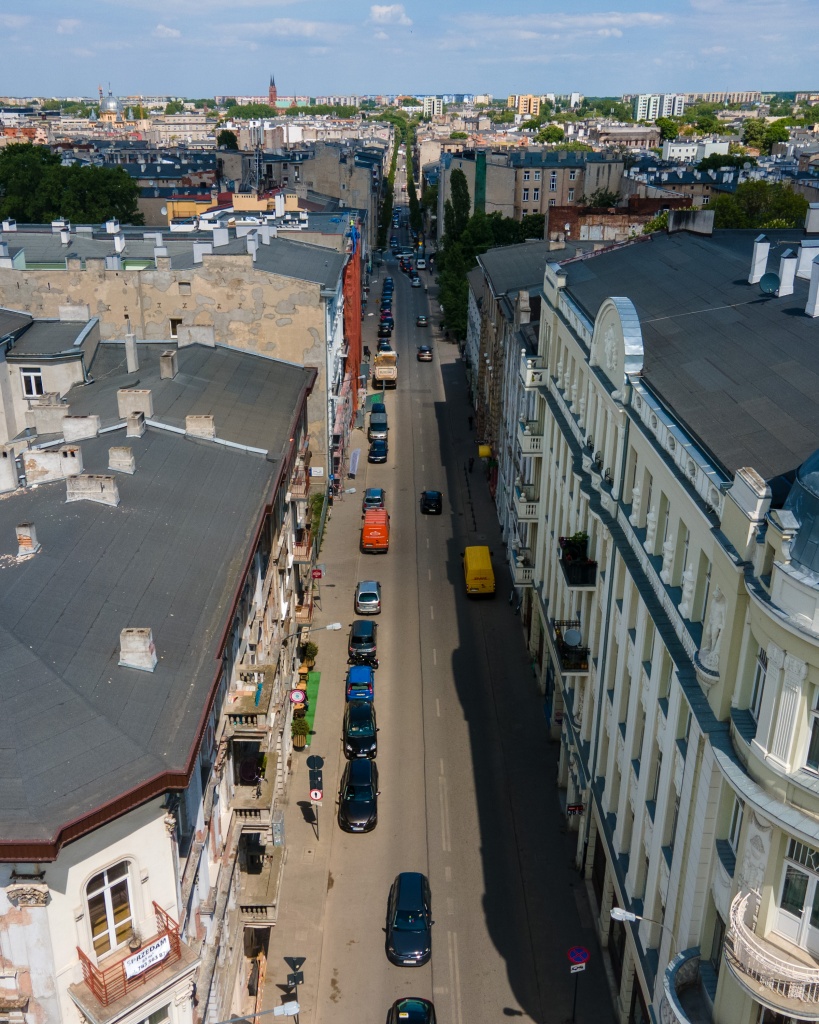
{"points": [[795, 674]]}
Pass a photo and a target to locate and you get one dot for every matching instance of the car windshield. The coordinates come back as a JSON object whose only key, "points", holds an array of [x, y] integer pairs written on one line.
{"points": [[408, 921], [358, 793], [361, 728], [367, 598]]}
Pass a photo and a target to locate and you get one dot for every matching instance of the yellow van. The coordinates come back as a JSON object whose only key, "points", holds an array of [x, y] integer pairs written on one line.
{"points": [[478, 574]]}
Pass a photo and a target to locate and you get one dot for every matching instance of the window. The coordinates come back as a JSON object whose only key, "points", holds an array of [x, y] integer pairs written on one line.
{"points": [[717, 941], [572, 175], [674, 821], [32, 381], [656, 788], [175, 325], [184, 287], [760, 672], [812, 760], [736, 825], [525, 175], [525, 211], [109, 907], [536, 194], [553, 181], [526, 195], [537, 175], [160, 1016], [571, 195], [552, 202]]}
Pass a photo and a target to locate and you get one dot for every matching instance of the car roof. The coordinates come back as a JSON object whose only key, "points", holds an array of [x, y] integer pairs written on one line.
{"points": [[361, 769], [374, 492], [410, 889], [432, 494], [359, 674], [369, 585], [363, 627], [361, 709], [379, 442]]}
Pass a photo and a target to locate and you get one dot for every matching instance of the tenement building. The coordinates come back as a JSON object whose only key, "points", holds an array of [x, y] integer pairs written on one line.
{"points": [[674, 606], [155, 554]]}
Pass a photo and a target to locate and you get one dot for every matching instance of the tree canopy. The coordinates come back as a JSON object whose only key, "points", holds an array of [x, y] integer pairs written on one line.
{"points": [[717, 160], [174, 107], [551, 133], [35, 188], [227, 139], [759, 204], [763, 136]]}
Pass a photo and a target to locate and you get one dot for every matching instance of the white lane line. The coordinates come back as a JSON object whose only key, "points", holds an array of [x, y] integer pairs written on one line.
{"points": [[447, 874], [431, 612], [441, 767], [450, 906], [434, 656], [437, 707], [429, 574], [446, 844], [427, 541], [454, 977]]}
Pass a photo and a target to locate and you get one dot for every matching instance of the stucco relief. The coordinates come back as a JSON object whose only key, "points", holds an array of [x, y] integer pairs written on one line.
{"points": [[757, 849], [28, 894]]}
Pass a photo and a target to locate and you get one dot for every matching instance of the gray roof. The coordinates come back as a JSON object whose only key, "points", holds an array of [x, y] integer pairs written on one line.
{"points": [[475, 281], [512, 267], [740, 371], [78, 730], [11, 321], [48, 338]]}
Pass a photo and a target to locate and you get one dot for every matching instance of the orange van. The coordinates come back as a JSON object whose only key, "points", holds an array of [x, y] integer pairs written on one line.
{"points": [[375, 533]]}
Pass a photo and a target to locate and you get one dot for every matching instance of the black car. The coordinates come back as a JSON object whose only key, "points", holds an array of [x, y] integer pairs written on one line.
{"points": [[412, 1010], [384, 330], [378, 451], [362, 647], [432, 503], [358, 797], [359, 730], [409, 920], [388, 281]]}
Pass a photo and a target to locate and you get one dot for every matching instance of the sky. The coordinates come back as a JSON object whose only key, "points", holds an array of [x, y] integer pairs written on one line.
{"points": [[202, 48]]}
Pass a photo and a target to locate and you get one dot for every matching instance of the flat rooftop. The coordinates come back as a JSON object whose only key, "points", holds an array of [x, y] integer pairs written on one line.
{"points": [[79, 731], [738, 369]]}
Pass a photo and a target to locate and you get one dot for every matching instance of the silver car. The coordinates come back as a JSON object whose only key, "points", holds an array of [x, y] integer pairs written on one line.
{"points": [[368, 598]]}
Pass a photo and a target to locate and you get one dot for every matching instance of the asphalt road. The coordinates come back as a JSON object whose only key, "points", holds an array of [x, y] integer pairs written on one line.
{"points": [[466, 770]]}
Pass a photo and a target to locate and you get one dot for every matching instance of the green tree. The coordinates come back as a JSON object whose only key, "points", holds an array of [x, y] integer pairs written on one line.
{"points": [[669, 128], [551, 133], [759, 204], [775, 132], [174, 107], [533, 225], [458, 135], [658, 223], [227, 139], [460, 203], [600, 199], [753, 133], [502, 116], [717, 160]]}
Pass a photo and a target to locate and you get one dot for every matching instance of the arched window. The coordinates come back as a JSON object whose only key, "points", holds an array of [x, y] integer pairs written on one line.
{"points": [[109, 907]]}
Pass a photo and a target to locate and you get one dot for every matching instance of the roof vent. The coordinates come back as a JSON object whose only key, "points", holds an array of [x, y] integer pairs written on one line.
{"points": [[137, 650], [135, 424], [135, 400], [121, 460], [787, 273], [200, 426], [27, 540], [812, 307], [93, 487], [759, 260], [168, 364], [811, 219]]}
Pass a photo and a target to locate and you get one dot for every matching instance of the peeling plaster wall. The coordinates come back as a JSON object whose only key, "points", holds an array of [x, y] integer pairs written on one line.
{"points": [[227, 301]]}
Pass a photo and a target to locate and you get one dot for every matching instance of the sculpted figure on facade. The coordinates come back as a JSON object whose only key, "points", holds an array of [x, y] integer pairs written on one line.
{"points": [[712, 634]]}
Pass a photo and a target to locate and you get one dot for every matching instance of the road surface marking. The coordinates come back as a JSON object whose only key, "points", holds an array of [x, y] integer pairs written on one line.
{"points": [[455, 977], [441, 766], [434, 656], [448, 874], [431, 612], [429, 574], [450, 906], [446, 845], [427, 541], [437, 707]]}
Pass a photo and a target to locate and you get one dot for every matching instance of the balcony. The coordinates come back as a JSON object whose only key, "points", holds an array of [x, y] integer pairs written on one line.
{"points": [[573, 659], [304, 612], [303, 547], [579, 571], [530, 437], [253, 795], [690, 987], [527, 505], [248, 707], [780, 976], [299, 485], [132, 976], [522, 566], [532, 370], [259, 887]]}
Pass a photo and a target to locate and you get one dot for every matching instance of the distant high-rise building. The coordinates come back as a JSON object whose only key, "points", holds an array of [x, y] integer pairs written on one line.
{"points": [[648, 107], [526, 105], [433, 106]]}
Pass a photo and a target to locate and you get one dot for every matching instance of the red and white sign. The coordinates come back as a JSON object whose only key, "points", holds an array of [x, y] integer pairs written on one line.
{"points": [[317, 573], [297, 696], [316, 795], [145, 958]]}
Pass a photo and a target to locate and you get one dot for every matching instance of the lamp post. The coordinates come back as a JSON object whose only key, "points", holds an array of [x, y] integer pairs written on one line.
{"points": [[619, 914]]}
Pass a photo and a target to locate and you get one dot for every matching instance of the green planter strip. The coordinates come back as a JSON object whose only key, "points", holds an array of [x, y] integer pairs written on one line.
{"points": [[313, 680]]}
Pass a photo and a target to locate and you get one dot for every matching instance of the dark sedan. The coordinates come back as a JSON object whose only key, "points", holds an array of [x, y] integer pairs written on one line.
{"points": [[358, 797], [378, 452], [432, 503], [412, 1010], [409, 920], [359, 731]]}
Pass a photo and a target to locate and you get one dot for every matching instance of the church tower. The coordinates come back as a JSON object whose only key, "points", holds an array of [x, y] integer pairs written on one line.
{"points": [[272, 95]]}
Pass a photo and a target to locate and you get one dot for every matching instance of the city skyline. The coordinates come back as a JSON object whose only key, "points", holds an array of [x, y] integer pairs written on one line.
{"points": [[178, 47]]}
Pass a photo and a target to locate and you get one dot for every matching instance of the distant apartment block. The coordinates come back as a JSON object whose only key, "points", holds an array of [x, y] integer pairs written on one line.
{"points": [[648, 107], [527, 105], [433, 106]]}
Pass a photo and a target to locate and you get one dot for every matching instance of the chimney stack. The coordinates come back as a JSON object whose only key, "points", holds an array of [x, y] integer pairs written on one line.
{"points": [[119, 243], [131, 356], [137, 650], [27, 540], [812, 219], [168, 364], [787, 273], [759, 260], [65, 236], [812, 308]]}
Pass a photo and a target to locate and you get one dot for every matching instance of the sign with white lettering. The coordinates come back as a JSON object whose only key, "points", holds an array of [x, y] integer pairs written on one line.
{"points": [[147, 957]]}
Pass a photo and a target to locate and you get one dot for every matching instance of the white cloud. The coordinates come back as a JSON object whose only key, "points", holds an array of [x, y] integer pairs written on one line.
{"points": [[163, 32], [389, 14], [13, 20], [66, 26], [380, 35], [608, 33]]}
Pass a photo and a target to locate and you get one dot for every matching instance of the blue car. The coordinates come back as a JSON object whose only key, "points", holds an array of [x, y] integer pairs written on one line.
{"points": [[360, 683]]}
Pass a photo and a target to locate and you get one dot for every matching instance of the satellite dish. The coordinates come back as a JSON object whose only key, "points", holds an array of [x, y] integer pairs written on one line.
{"points": [[164, 211], [769, 284]]}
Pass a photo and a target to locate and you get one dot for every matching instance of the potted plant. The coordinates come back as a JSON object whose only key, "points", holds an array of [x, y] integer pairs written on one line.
{"points": [[299, 730], [310, 652]]}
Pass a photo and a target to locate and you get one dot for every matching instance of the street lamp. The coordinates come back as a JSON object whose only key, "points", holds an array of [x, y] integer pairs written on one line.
{"points": [[619, 914], [315, 629]]}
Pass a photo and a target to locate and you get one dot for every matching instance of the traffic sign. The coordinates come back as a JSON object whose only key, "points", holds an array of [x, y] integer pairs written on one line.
{"points": [[316, 795], [578, 955], [298, 696], [575, 809], [297, 978], [317, 573], [574, 968], [315, 761], [295, 963]]}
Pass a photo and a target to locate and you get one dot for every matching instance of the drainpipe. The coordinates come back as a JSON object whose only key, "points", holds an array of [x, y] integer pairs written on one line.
{"points": [[605, 645]]}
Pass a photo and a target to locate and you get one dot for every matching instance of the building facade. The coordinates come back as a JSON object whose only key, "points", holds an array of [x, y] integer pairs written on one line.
{"points": [[648, 107]]}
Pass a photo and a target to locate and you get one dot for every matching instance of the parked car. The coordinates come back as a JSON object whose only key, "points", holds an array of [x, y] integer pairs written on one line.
{"points": [[378, 407], [360, 683], [359, 732], [421, 263], [362, 646], [384, 345], [378, 452], [358, 797], [424, 354], [374, 497], [384, 331], [409, 920], [411, 1010], [416, 282], [421, 321], [432, 503], [368, 598]]}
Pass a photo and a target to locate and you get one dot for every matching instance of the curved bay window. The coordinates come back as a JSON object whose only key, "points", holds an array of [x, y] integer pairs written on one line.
{"points": [[109, 908]]}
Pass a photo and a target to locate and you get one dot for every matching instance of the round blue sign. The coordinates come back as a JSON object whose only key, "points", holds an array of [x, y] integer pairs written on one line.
{"points": [[578, 955]]}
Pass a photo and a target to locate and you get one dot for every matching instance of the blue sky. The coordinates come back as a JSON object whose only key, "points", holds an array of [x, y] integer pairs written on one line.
{"points": [[599, 47]]}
